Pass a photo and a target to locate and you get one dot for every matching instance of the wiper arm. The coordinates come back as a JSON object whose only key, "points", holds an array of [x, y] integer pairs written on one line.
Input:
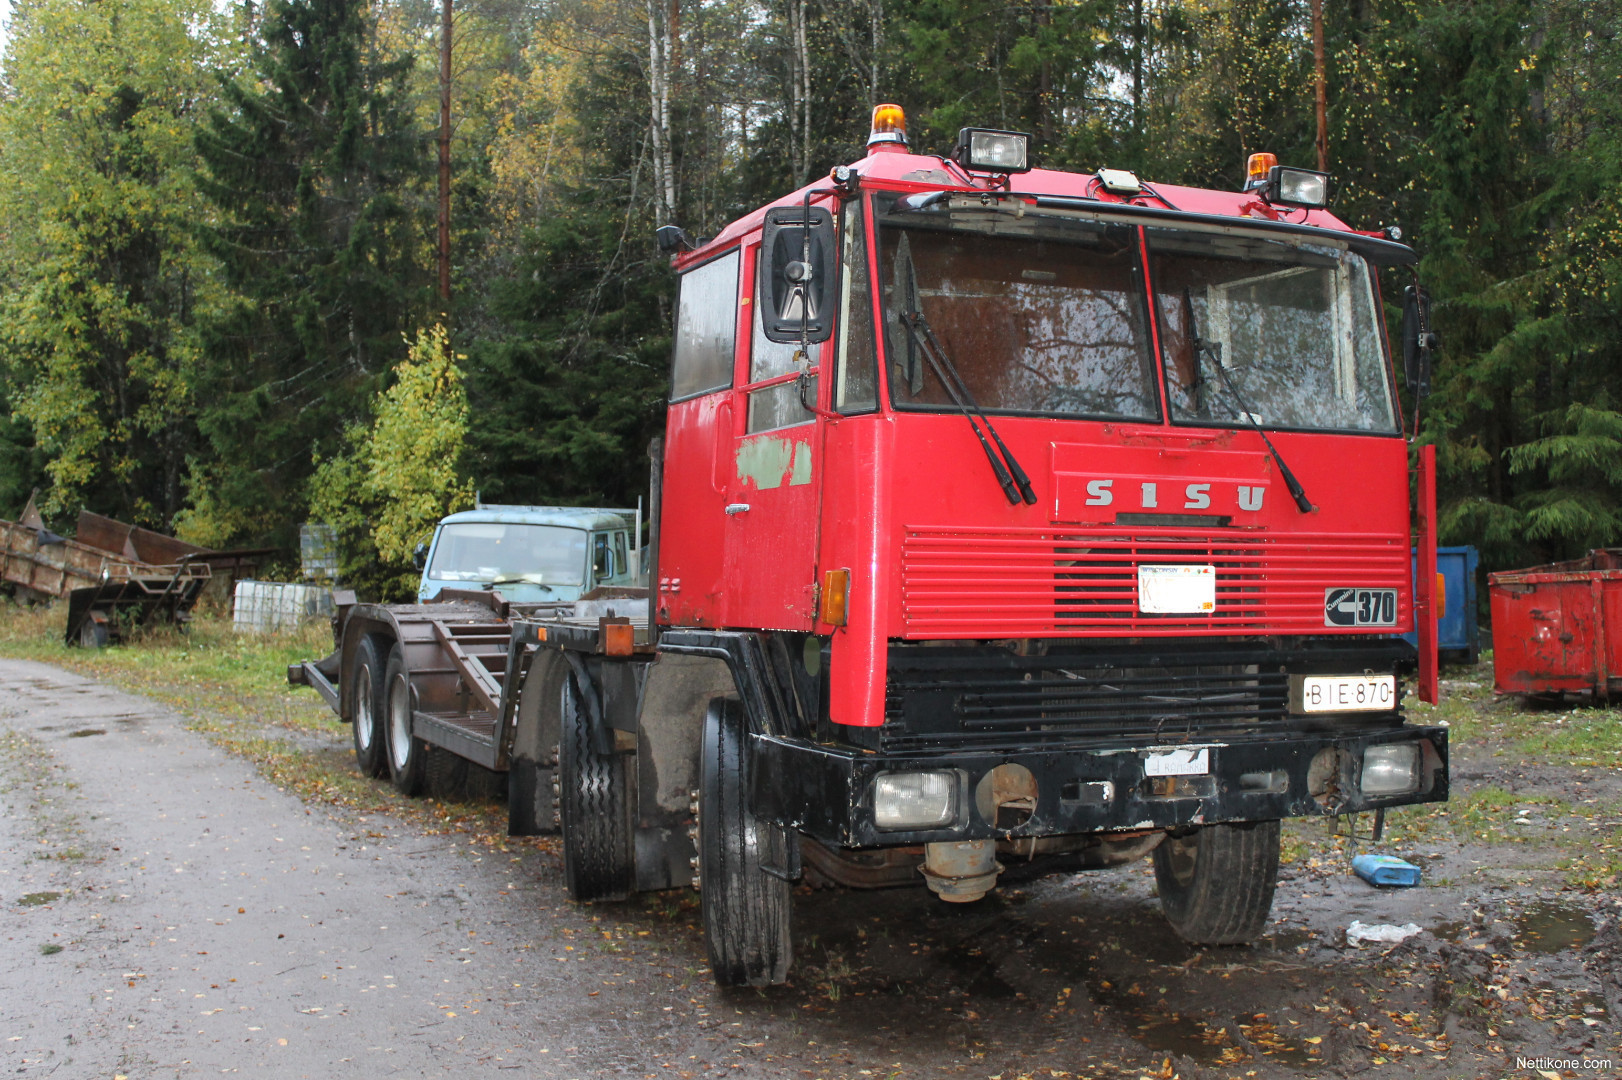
{"points": [[519, 579], [1016, 485], [1214, 351]]}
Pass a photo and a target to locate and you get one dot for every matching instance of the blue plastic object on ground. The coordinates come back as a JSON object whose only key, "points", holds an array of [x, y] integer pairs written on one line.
{"points": [[1385, 870]]}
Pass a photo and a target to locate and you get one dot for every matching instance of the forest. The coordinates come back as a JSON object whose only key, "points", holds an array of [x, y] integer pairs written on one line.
{"points": [[220, 306]]}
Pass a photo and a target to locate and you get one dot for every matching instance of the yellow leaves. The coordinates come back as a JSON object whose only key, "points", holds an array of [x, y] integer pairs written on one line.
{"points": [[403, 474]]}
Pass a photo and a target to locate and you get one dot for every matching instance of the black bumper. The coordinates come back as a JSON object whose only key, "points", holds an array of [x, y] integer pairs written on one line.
{"points": [[827, 792]]}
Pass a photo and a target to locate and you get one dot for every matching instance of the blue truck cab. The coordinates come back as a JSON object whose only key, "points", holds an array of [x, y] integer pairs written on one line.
{"points": [[532, 554]]}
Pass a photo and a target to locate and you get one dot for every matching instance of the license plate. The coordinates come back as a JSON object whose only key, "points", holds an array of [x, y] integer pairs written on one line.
{"points": [[1177, 590], [1178, 763], [1347, 693]]}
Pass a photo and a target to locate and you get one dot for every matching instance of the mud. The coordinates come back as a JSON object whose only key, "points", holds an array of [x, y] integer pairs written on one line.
{"points": [[209, 923]]}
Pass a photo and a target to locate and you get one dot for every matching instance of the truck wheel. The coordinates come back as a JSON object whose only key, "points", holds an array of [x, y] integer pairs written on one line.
{"points": [[1216, 883], [746, 910], [370, 708], [407, 754], [598, 861]]}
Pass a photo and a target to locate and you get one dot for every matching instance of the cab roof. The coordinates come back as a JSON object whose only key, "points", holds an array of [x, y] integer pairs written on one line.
{"points": [[892, 168], [569, 517]]}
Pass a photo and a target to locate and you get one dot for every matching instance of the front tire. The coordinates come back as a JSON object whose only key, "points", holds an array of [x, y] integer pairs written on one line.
{"points": [[746, 910], [408, 755], [370, 707], [598, 860], [1216, 883]]}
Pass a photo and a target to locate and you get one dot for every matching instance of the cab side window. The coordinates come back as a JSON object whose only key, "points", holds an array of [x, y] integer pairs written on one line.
{"points": [[622, 564], [602, 561], [706, 329]]}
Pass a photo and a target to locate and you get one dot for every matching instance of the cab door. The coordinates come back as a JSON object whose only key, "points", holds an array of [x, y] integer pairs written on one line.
{"points": [[773, 482]]}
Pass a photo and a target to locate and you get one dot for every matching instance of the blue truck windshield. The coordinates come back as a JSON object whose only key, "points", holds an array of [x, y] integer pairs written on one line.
{"points": [[491, 551]]}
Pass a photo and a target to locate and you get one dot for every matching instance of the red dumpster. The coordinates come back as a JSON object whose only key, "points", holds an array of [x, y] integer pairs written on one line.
{"points": [[1559, 627]]}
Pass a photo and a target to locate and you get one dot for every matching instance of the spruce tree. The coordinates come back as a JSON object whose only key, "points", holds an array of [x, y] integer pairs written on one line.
{"points": [[314, 167]]}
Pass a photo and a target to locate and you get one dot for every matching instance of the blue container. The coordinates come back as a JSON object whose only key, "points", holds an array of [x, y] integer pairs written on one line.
{"points": [[1457, 635], [1385, 870]]}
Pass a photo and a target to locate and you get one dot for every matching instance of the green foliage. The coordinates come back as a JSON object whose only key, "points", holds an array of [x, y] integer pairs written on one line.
{"points": [[402, 474], [104, 284], [311, 164]]}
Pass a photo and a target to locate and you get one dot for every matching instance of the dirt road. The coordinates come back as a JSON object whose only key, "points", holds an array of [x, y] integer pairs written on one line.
{"points": [[169, 913]]}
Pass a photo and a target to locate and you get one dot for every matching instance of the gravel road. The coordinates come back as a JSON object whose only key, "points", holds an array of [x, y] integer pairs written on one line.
{"points": [[167, 912]]}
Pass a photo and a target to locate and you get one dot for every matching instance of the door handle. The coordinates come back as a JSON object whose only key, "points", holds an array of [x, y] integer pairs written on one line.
{"points": [[737, 508]]}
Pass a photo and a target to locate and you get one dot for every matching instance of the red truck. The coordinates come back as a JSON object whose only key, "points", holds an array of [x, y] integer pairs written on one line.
{"points": [[1004, 515]]}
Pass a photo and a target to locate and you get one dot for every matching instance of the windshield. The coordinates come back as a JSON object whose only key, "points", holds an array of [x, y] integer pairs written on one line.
{"points": [[1294, 324], [1039, 313], [496, 552]]}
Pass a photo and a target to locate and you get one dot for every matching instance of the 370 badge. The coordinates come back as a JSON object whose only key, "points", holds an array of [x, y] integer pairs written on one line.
{"points": [[1360, 607]]}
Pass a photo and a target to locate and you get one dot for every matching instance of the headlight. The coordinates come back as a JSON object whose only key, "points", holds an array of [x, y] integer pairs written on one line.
{"points": [[915, 800], [1391, 770], [993, 151], [1297, 187]]}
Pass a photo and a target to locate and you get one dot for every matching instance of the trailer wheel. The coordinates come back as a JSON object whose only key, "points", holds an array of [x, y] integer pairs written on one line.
{"points": [[407, 754], [92, 634], [746, 910], [1216, 883], [598, 860], [370, 708]]}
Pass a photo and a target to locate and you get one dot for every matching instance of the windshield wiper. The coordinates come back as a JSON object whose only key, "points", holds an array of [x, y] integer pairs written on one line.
{"points": [[958, 390], [520, 579], [1214, 351]]}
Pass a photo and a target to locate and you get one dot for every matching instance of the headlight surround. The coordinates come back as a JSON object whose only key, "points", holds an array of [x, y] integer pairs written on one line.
{"points": [[1392, 769], [984, 150], [915, 800]]}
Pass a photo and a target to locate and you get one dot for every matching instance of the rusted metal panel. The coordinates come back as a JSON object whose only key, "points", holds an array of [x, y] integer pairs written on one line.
{"points": [[1558, 627]]}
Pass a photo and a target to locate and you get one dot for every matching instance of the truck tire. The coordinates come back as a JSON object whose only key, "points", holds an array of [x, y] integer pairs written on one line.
{"points": [[1216, 883], [598, 859], [746, 910], [370, 733], [407, 754]]}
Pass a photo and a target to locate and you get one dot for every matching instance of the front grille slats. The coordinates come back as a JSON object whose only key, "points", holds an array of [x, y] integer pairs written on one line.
{"points": [[1083, 581]]}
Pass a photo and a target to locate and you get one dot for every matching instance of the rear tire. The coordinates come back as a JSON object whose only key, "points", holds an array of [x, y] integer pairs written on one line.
{"points": [[1216, 883], [370, 707], [407, 754], [598, 859], [746, 910]]}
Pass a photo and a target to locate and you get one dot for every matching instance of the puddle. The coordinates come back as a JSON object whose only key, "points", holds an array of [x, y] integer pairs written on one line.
{"points": [[1551, 928], [35, 899], [1166, 1032], [1287, 941], [85, 733], [1282, 1045]]}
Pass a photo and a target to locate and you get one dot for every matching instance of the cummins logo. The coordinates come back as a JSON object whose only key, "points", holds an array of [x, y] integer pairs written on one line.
{"points": [[1360, 607]]}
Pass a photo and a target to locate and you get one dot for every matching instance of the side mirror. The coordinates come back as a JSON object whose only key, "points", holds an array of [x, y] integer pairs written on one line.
{"points": [[796, 279], [419, 556], [1418, 340]]}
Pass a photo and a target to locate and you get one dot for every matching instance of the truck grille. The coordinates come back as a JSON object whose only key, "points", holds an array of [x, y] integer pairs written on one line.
{"points": [[1165, 693], [959, 583]]}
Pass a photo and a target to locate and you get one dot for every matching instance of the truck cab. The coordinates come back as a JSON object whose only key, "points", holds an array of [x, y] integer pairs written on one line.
{"points": [[531, 554]]}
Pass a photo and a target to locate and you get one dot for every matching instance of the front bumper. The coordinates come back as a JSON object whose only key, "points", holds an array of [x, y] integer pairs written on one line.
{"points": [[826, 791]]}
